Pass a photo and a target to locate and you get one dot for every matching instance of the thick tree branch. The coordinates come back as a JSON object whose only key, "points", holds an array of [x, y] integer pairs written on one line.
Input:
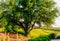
{"points": [[32, 27]]}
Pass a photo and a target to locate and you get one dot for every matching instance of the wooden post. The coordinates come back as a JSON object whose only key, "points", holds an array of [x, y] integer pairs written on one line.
{"points": [[17, 36], [4, 36], [8, 37]]}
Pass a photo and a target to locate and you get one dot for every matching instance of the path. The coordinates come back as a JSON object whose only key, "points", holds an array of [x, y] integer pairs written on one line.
{"points": [[11, 37]]}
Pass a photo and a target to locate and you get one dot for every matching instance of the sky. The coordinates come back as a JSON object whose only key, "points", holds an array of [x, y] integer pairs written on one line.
{"points": [[57, 20]]}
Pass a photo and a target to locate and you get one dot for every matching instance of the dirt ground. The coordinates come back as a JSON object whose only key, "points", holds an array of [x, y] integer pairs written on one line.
{"points": [[11, 37]]}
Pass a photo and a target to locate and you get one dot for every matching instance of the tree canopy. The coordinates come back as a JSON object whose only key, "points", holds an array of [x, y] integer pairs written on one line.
{"points": [[25, 13]]}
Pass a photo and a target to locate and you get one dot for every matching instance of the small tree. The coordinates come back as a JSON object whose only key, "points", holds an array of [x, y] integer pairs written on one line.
{"points": [[25, 13]]}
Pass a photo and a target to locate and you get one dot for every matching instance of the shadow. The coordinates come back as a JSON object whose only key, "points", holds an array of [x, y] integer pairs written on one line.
{"points": [[22, 33]]}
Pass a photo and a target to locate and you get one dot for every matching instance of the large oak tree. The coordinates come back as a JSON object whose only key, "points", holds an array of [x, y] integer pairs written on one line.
{"points": [[25, 13]]}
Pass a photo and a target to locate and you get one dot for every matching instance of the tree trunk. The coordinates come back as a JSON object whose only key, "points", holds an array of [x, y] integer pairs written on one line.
{"points": [[26, 33]]}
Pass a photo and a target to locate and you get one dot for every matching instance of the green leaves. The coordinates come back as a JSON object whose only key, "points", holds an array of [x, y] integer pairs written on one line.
{"points": [[18, 15], [3, 22], [38, 11]]}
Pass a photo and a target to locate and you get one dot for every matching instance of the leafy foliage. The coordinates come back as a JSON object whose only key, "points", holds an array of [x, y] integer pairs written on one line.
{"points": [[25, 13], [44, 38]]}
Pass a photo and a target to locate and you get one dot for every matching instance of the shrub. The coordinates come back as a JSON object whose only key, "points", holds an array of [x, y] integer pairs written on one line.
{"points": [[52, 36], [32, 40], [40, 38], [44, 38]]}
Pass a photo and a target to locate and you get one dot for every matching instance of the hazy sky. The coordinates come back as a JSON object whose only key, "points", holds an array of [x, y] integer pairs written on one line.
{"points": [[57, 22]]}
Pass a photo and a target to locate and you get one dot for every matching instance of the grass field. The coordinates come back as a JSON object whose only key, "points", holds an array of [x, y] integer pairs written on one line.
{"points": [[39, 32]]}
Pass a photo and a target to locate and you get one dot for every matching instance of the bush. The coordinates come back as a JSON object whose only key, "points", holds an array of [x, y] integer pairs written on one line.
{"points": [[11, 29], [40, 38], [44, 38], [51, 36], [32, 40]]}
